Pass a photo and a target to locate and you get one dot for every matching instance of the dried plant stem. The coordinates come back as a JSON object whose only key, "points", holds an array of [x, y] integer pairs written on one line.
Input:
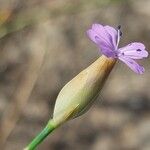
{"points": [[22, 94]]}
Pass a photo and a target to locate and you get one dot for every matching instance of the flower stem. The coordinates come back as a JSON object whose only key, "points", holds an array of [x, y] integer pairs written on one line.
{"points": [[41, 136]]}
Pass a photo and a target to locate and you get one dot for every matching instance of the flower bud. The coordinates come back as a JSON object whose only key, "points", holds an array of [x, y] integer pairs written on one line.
{"points": [[78, 94]]}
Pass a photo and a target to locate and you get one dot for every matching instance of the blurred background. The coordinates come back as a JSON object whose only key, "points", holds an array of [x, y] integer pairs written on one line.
{"points": [[43, 44]]}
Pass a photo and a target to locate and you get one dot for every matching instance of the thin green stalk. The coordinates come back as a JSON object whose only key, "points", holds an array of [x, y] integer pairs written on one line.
{"points": [[41, 136]]}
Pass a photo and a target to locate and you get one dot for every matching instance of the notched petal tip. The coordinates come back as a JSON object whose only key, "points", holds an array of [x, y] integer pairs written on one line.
{"points": [[91, 35], [146, 53], [141, 70], [96, 25]]}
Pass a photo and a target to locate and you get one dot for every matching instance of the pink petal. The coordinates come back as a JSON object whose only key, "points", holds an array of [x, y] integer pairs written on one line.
{"points": [[132, 64], [91, 34], [97, 38], [134, 50], [113, 33], [105, 49], [102, 36]]}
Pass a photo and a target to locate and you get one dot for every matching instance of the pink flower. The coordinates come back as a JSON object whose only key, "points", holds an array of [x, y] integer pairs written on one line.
{"points": [[107, 39]]}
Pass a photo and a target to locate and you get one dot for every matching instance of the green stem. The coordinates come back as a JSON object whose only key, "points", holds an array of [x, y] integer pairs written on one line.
{"points": [[41, 136]]}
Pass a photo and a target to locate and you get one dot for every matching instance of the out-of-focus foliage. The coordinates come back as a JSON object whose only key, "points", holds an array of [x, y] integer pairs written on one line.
{"points": [[43, 45]]}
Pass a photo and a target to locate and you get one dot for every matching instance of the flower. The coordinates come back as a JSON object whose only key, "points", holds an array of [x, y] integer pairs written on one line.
{"points": [[107, 39]]}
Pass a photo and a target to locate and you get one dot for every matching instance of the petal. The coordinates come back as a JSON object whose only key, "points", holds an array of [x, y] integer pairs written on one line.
{"points": [[134, 50], [102, 36], [97, 39], [91, 34], [113, 33], [105, 49], [132, 64]]}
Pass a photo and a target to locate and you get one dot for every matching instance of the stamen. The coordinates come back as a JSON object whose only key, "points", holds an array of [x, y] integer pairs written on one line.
{"points": [[119, 27], [120, 33]]}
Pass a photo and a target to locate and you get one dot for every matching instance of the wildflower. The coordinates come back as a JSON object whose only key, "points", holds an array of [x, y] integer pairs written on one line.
{"points": [[107, 39], [78, 95]]}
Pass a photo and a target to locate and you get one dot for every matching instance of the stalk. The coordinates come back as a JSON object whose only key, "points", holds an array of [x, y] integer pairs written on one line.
{"points": [[41, 136]]}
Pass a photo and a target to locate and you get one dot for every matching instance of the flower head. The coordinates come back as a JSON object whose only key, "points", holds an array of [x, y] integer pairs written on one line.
{"points": [[107, 39]]}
